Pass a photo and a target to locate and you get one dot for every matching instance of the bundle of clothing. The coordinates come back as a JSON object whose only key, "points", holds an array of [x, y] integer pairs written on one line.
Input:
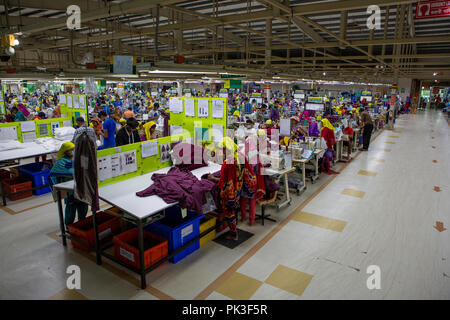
{"points": [[179, 185], [192, 161], [64, 133]]}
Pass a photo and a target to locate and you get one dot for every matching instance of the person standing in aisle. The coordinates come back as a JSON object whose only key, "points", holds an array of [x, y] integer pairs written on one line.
{"points": [[248, 108], [63, 171], [367, 127], [230, 184], [109, 131], [128, 134], [327, 132], [128, 114]]}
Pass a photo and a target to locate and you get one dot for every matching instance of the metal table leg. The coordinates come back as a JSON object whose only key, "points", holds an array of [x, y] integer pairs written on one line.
{"points": [[97, 241], [3, 192], [141, 253], [303, 176], [288, 197], [61, 218]]}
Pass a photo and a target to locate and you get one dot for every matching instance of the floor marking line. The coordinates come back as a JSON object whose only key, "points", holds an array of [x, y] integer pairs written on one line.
{"points": [[12, 212], [252, 251]]}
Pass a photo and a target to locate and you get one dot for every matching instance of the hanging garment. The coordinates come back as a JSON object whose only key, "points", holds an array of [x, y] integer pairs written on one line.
{"points": [[85, 171], [179, 185]]}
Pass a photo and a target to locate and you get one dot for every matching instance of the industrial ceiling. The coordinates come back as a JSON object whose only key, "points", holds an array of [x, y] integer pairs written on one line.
{"points": [[262, 39]]}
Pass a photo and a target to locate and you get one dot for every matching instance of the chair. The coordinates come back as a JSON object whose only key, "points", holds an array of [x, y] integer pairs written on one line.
{"points": [[263, 203]]}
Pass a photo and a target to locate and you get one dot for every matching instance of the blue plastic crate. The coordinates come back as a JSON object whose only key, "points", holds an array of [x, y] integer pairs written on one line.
{"points": [[178, 231], [38, 173]]}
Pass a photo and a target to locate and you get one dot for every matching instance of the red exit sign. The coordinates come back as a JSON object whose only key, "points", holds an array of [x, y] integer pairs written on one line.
{"points": [[432, 9]]}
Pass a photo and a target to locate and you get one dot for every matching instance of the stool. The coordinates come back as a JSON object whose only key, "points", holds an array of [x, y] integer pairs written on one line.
{"points": [[263, 203]]}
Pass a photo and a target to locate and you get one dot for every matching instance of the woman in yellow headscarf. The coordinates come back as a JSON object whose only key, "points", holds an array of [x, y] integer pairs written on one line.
{"points": [[327, 133], [150, 130], [230, 184], [62, 171]]}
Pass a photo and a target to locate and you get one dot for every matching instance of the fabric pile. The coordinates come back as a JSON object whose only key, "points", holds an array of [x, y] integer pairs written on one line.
{"points": [[49, 143], [11, 145], [179, 185], [64, 134]]}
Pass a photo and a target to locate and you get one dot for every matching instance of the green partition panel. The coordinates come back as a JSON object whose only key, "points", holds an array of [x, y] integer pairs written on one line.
{"points": [[191, 123], [36, 130]]}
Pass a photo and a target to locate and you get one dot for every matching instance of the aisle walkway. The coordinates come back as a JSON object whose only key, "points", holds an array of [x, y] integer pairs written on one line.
{"points": [[379, 211]]}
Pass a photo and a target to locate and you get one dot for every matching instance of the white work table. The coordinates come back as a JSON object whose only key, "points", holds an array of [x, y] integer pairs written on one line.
{"points": [[31, 149], [122, 194]]}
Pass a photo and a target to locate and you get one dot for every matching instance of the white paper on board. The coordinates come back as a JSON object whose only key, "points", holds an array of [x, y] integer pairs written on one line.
{"points": [[217, 108], [82, 100], [28, 126], [69, 102], [2, 107], [217, 132], [115, 165], [129, 161], [62, 99], [104, 168], [189, 107], [145, 116], [8, 133], [285, 127], [43, 129], [76, 102], [203, 108], [176, 105], [54, 125], [67, 123], [176, 130], [28, 136], [149, 149]]}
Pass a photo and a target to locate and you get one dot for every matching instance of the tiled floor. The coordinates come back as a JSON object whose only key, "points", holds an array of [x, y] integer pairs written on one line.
{"points": [[380, 210]]}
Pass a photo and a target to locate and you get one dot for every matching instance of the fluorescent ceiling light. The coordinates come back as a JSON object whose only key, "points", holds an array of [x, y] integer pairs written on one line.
{"points": [[182, 72]]}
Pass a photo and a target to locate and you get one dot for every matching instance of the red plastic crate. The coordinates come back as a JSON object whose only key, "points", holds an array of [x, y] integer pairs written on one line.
{"points": [[5, 174], [108, 226], [220, 217], [17, 184], [126, 248]]}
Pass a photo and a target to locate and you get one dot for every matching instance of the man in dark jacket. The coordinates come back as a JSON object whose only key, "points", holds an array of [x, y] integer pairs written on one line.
{"points": [[128, 134]]}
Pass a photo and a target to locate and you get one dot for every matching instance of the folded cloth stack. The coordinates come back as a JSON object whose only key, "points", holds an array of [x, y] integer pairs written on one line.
{"points": [[11, 145], [64, 133]]}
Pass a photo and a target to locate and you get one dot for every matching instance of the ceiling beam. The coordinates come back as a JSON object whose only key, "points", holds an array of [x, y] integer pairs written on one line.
{"points": [[113, 10]]}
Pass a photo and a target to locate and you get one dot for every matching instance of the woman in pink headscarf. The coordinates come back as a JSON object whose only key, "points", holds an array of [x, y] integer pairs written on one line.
{"points": [[305, 116], [24, 110]]}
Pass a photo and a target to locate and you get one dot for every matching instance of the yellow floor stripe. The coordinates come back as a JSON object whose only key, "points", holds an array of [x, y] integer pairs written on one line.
{"points": [[289, 279], [353, 193], [320, 221], [386, 150], [377, 160], [239, 287], [367, 173], [390, 142], [395, 137], [67, 294]]}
